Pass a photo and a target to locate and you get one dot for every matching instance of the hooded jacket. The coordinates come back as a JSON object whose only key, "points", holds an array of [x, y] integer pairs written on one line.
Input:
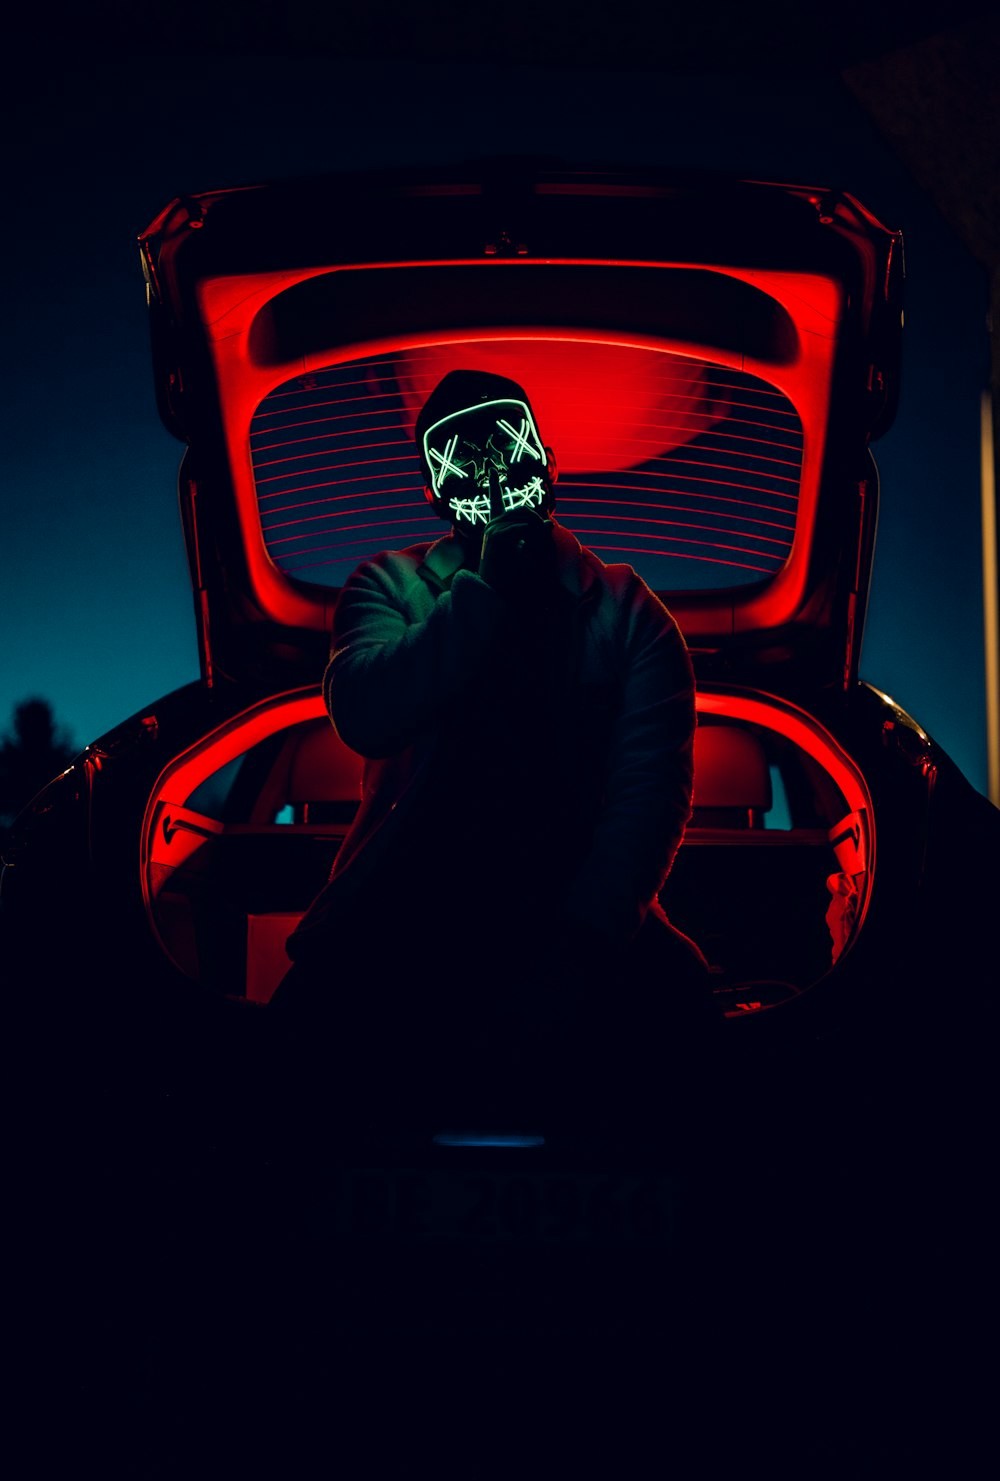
{"points": [[417, 637]]}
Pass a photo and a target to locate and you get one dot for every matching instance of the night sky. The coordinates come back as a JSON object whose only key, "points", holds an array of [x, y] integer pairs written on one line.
{"points": [[97, 605]]}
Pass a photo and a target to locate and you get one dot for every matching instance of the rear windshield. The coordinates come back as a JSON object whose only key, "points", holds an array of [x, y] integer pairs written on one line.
{"points": [[686, 470]]}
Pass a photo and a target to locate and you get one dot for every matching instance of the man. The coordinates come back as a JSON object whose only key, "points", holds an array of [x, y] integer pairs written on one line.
{"points": [[527, 718]]}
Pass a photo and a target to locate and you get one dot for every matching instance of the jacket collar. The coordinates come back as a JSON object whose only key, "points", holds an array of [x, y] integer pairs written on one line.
{"points": [[576, 572]]}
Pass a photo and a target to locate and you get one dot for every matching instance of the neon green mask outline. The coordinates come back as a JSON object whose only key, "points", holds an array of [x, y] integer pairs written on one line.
{"points": [[526, 440], [477, 509], [445, 464], [474, 510], [528, 497], [521, 443]]}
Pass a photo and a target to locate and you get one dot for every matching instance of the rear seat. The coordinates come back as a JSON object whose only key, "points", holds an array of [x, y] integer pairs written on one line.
{"points": [[323, 777], [754, 898], [732, 779], [320, 779]]}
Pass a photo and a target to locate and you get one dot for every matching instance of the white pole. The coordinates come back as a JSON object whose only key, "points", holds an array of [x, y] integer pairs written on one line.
{"points": [[991, 598]]}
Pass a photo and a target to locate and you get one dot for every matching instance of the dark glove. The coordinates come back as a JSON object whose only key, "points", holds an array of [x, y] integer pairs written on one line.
{"points": [[518, 556]]}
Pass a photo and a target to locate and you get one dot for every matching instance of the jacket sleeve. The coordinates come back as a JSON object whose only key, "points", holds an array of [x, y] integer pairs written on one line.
{"points": [[400, 657], [647, 800]]}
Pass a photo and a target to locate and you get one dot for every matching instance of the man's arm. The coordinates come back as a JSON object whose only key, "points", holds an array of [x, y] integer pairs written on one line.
{"points": [[390, 676], [648, 794]]}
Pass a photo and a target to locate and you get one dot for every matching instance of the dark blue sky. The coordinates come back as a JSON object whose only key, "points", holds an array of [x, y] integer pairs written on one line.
{"points": [[96, 596]]}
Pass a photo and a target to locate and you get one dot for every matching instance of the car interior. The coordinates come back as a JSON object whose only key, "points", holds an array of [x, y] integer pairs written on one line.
{"points": [[239, 838], [688, 403]]}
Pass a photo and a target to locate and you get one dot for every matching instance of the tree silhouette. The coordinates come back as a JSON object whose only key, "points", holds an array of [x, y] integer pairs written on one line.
{"points": [[32, 752]]}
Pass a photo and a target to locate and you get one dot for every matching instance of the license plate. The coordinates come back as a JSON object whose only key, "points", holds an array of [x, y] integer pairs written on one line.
{"points": [[432, 1204]]}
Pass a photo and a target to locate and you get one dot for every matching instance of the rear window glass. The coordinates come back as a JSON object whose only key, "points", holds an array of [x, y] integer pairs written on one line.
{"points": [[686, 470]]}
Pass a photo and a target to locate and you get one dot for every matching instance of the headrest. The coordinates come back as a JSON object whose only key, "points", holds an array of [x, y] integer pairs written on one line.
{"points": [[730, 769], [321, 768]]}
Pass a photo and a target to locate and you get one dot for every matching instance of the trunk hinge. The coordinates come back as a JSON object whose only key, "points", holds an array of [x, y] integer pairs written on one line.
{"points": [[850, 649], [201, 609]]}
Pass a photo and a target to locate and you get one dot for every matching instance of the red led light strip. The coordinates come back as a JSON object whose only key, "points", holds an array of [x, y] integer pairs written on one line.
{"points": [[185, 773], [684, 524], [370, 525], [683, 555], [361, 463], [567, 498]]}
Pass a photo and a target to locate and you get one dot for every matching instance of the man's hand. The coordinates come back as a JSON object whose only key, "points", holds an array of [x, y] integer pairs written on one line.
{"points": [[518, 551]]}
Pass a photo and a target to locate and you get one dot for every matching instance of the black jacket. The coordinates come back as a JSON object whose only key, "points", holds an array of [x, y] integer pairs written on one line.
{"points": [[601, 687]]}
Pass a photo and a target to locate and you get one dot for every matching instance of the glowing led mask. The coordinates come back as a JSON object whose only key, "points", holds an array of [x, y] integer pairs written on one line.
{"points": [[461, 449]]}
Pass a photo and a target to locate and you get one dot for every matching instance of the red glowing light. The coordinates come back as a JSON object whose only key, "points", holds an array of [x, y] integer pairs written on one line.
{"points": [[164, 848], [685, 508], [557, 365]]}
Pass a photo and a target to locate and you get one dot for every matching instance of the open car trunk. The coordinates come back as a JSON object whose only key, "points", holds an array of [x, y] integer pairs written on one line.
{"points": [[772, 880], [709, 359]]}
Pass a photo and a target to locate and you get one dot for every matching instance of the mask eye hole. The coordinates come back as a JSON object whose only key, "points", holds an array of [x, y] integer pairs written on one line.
{"points": [[442, 461], [515, 439]]}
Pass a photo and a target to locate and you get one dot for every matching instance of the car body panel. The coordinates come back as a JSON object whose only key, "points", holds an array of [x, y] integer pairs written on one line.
{"points": [[189, 824], [800, 286]]}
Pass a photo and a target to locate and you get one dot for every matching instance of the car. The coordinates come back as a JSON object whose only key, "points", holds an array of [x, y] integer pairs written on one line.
{"points": [[711, 358]]}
